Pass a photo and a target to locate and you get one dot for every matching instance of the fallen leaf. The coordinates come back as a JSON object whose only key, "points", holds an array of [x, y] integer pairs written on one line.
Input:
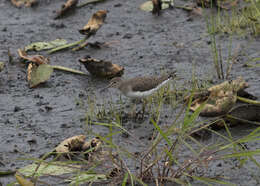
{"points": [[148, 6], [92, 146], [69, 5], [2, 65], [100, 68], [157, 6], [38, 74], [220, 98], [72, 144], [89, 2], [38, 59], [38, 46], [114, 172], [192, 8], [94, 23], [22, 181], [20, 3], [85, 177], [51, 168]]}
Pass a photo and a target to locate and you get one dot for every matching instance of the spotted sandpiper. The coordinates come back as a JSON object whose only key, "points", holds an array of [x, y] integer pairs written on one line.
{"points": [[140, 87]]}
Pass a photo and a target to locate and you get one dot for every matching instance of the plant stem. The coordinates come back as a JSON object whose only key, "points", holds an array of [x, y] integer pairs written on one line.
{"points": [[56, 67], [250, 101], [67, 46]]}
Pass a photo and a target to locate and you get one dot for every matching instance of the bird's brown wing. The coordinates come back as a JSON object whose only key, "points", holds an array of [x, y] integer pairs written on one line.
{"points": [[147, 83]]}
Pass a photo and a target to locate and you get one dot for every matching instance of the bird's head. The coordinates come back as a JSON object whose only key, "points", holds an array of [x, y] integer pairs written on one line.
{"points": [[114, 83]]}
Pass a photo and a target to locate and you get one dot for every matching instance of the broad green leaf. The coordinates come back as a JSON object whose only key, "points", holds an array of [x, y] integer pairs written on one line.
{"points": [[38, 46], [40, 74], [148, 6], [53, 168], [86, 177]]}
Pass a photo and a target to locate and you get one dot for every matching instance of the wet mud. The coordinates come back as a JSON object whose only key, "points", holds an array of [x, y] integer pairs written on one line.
{"points": [[34, 121]]}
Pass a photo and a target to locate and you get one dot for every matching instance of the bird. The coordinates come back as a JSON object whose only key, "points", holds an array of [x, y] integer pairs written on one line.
{"points": [[140, 87]]}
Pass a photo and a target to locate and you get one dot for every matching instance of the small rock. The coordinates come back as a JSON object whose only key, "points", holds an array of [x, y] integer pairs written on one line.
{"points": [[32, 141], [118, 5], [57, 25], [16, 109], [127, 36]]}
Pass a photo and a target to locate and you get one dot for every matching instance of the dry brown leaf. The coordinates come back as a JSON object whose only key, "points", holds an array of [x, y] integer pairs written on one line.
{"points": [[72, 144], [157, 6], [91, 147], [22, 181], [94, 143], [38, 59], [94, 23], [29, 71], [69, 5], [20, 3], [100, 68], [220, 98]]}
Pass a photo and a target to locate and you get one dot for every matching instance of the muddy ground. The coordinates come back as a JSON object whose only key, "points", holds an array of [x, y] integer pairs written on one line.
{"points": [[144, 45]]}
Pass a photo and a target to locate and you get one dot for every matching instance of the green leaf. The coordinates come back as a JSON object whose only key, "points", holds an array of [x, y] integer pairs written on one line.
{"points": [[148, 6], [242, 154], [53, 168], [86, 177], [162, 133], [124, 182], [38, 46], [210, 180], [40, 74]]}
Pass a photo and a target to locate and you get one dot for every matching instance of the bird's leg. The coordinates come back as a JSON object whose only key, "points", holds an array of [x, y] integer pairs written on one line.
{"points": [[133, 110], [143, 107]]}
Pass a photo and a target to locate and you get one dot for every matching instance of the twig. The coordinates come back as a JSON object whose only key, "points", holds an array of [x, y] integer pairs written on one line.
{"points": [[221, 62], [234, 57]]}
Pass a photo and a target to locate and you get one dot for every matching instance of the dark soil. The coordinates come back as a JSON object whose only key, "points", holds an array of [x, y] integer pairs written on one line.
{"points": [[34, 121]]}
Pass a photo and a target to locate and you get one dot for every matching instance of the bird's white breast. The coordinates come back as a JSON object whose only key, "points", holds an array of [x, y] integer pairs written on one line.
{"points": [[141, 94]]}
